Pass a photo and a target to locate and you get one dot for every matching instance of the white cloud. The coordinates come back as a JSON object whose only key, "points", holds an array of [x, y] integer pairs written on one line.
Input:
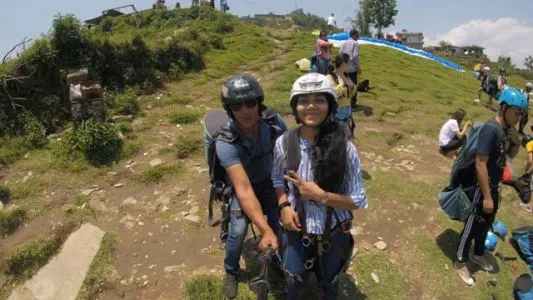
{"points": [[505, 36]]}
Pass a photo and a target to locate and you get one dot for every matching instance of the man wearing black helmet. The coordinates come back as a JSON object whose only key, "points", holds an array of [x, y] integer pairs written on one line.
{"points": [[247, 160]]}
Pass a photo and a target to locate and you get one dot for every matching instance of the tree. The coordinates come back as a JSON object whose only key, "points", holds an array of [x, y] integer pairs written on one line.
{"points": [[362, 18], [528, 62], [505, 62], [444, 44], [382, 13]]}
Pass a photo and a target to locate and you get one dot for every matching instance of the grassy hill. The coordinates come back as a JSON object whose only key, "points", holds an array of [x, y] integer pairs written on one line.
{"points": [[396, 136]]}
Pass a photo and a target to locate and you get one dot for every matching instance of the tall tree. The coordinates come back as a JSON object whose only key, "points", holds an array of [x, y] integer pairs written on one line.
{"points": [[528, 62], [505, 62], [382, 13], [362, 18]]}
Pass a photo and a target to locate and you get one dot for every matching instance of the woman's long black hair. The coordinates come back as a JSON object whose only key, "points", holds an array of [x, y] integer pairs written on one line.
{"points": [[329, 156]]}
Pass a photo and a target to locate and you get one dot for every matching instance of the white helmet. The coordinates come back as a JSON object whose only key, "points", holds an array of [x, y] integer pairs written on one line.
{"points": [[312, 83], [486, 69], [529, 85]]}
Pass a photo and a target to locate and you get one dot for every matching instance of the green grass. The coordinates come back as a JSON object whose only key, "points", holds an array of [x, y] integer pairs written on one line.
{"points": [[11, 221], [188, 145], [26, 261], [32, 187], [185, 117], [101, 268], [157, 174], [5, 194]]}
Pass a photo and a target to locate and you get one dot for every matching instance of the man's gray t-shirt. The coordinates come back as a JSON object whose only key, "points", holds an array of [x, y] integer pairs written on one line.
{"points": [[351, 47]]}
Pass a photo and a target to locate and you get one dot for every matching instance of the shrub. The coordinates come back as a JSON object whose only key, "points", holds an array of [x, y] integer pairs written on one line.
{"points": [[98, 141], [157, 174], [34, 132], [124, 103], [10, 222], [5, 194], [185, 117], [188, 145]]}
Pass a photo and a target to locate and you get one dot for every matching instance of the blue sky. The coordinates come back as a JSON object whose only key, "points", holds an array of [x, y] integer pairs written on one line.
{"points": [[503, 27]]}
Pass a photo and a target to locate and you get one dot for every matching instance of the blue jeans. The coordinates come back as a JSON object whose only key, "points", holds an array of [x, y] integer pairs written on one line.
{"points": [[296, 255], [238, 228], [322, 65]]}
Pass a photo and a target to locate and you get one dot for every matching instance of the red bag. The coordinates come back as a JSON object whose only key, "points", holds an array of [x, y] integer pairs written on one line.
{"points": [[507, 175]]}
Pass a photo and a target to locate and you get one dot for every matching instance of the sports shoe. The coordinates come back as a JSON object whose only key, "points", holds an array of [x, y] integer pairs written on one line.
{"points": [[230, 285], [463, 272], [482, 262]]}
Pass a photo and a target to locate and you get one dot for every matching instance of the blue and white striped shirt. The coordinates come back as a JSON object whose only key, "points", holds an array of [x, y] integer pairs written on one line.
{"points": [[315, 212]]}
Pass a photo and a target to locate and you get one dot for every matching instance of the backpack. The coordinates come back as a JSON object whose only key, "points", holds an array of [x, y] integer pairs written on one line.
{"points": [[217, 127], [364, 86], [490, 85], [455, 199], [522, 242], [523, 287]]}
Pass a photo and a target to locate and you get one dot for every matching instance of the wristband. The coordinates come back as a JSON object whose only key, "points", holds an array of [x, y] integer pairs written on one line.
{"points": [[282, 206], [324, 198]]}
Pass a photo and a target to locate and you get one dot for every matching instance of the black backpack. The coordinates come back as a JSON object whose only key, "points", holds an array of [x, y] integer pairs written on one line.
{"points": [[216, 127]]}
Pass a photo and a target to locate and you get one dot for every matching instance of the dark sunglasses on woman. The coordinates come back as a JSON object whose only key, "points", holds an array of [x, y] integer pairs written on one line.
{"points": [[248, 103]]}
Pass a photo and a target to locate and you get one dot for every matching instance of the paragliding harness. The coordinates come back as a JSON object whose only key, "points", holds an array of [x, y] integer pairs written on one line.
{"points": [[456, 198], [322, 242], [217, 128], [522, 242], [259, 284]]}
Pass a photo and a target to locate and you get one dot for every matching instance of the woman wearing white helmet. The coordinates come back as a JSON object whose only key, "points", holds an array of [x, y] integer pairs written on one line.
{"points": [[318, 183]]}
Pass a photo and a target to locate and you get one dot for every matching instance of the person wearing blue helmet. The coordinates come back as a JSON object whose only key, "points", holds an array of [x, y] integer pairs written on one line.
{"points": [[495, 142]]}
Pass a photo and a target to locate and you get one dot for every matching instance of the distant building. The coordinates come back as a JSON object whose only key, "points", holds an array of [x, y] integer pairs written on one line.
{"points": [[106, 13], [411, 39], [272, 17], [473, 50]]}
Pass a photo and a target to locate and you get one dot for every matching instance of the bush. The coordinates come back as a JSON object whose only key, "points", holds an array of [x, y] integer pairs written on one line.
{"points": [[67, 39], [34, 132], [5, 194], [157, 174], [125, 103], [10, 222], [185, 117], [99, 142], [188, 145]]}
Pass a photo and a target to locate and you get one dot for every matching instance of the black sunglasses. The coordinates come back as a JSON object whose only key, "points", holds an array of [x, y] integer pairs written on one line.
{"points": [[248, 103]]}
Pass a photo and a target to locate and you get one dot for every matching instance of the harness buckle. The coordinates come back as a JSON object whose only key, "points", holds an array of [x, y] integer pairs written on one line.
{"points": [[325, 246], [346, 226], [306, 241]]}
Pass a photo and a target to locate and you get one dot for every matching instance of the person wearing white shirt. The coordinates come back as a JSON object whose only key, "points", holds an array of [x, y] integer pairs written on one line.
{"points": [[451, 137], [351, 47], [331, 20]]}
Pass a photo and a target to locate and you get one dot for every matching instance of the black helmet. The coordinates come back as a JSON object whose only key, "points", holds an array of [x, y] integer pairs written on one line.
{"points": [[241, 88]]}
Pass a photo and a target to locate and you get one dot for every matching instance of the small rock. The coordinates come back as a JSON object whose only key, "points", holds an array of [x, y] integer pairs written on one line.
{"points": [[144, 277], [380, 238], [129, 225], [124, 282], [184, 213], [164, 199], [171, 269], [446, 267], [112, 173], [151, 267], [88, 192], [156, 162], [164, 208], [118, 185], [375, 277], [150, 234], [173, 252], [194, 210], [69, 208], [415, 205], [381, 245], [354, 252], [194, 219], [145, 283], [84, 205], [129, 201], [1, 206], [141, 223]]}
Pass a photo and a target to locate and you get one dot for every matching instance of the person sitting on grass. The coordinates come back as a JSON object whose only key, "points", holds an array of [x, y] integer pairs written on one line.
{"points": [[450, 137]]}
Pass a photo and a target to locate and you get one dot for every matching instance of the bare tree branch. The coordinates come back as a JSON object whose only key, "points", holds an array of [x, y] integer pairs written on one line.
{"points": [[24, 41]]}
